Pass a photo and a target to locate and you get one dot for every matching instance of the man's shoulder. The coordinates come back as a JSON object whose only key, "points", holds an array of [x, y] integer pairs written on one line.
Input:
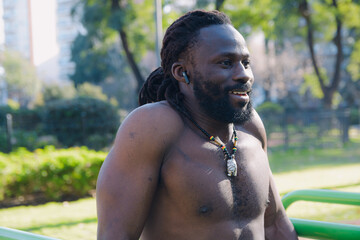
{"points": [[159, 116], [157, 112]]}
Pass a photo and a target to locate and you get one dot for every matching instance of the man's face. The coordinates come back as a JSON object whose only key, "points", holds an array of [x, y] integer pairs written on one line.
{"points": [[222, 76]]}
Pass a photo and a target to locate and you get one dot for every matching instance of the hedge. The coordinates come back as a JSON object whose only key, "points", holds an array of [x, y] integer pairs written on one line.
{"points": [[22, 118], [75, 122], [50, 173]]}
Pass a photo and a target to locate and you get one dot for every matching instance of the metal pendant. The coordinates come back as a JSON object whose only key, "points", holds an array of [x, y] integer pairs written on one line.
{"points": [[231, 167]]}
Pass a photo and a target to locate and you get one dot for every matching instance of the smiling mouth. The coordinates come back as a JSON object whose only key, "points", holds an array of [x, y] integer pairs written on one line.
{"points": [[240, 93]]}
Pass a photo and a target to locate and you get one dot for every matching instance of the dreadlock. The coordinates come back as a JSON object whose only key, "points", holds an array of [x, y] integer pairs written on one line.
{"points": [[178, 39]]}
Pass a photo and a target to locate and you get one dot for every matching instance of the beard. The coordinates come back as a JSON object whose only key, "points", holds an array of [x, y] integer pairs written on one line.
{"points": [[216, 102]]}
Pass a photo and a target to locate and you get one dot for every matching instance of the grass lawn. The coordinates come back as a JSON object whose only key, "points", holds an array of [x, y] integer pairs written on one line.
{"points": [[67, 220], [342, 178], [318, 168]]}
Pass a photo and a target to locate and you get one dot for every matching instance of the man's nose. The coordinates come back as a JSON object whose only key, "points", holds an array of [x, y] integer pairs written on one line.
{"points": [[242, 74]]}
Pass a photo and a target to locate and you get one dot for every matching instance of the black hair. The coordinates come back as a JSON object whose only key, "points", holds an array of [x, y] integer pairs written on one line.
{"points": [[178, 39]]}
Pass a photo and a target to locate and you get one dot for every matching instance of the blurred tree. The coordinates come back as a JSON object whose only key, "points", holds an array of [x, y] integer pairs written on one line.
{"points": [[20, 76], [53, 92], [322, 13], [90, 90], [219, 4], [328, 28], [90, 60], [354, 40], [105, 22]]}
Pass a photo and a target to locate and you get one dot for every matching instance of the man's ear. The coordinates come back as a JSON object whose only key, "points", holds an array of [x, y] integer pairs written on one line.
{"points": [[177, 70]]}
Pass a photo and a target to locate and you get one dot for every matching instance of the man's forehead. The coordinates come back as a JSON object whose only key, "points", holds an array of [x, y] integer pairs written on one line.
{"points": [[219, 30], [222, 38]]}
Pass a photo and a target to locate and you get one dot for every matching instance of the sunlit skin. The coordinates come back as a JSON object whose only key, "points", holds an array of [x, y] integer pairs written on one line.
{"points": [[163, 179]]}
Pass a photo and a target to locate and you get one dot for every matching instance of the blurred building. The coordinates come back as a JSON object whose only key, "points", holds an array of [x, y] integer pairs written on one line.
{"points": [[3, 88], [17, 27], [23, 34], [67, 29], [2, 33]]}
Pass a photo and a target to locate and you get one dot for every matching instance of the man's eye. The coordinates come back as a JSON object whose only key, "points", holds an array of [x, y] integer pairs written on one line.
{"points": [[227, 63], [246, 63]]}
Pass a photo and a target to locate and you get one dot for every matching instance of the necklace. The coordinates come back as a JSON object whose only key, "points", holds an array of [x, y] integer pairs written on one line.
{"points": [[230, 158]]}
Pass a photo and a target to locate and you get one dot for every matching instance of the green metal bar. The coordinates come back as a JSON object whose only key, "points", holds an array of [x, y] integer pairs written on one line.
{"points": [[318, 229], [321, 195], [325, 230], [13, 234]]}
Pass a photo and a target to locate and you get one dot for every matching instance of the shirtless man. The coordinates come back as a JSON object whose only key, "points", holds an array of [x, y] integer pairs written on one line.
{"points": [[168, 176]]}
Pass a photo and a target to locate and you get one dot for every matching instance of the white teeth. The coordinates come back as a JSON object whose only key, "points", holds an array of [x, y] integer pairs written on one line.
{"points": [[239, 93]]}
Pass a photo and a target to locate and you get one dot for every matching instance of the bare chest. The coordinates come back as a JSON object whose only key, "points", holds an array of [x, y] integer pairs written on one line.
{"points": [[194, 176]]}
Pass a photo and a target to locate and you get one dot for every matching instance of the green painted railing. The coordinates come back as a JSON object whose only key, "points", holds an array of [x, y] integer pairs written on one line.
{"points": [[324, 230], [13, 234], [304, 228]]}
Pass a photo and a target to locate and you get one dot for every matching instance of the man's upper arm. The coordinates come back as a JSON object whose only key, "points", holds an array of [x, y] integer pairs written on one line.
{"points": [[277, 224], [129, 176]]}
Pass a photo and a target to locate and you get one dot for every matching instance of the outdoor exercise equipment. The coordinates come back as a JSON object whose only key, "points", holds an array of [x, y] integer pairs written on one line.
{"points": [[13, 234], [304, 227], [319, 229]]}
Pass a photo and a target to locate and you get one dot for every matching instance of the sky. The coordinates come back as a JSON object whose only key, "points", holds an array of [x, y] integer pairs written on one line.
{"points": [[44, 29]]}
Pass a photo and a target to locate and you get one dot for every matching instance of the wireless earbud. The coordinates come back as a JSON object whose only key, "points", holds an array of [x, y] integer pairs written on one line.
{"points": [[186, 78]]}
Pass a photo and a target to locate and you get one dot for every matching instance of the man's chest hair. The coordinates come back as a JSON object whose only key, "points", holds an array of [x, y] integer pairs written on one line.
{"points": [[198, 180]]}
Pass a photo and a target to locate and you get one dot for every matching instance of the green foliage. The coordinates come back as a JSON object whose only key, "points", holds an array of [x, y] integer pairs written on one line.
{"points": [[20, 76], [22, 118], [53, 92], [270, 108], [3, 140], [64, 122], [91, 64], [6, 109], [311, 83], [13, 104], [323, 15], [354, 116], [26, 139], [98, 141], [117, 19], [92, 50], [250, 16], [53, 174], [140, 27], [30, 140], [26, 125], [286, 22], [354, 65], [74, 121], [350, 12], [90, 90], [272, 114]]}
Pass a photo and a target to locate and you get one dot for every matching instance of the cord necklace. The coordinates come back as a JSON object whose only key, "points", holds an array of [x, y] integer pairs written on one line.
{"points": [[230, 158]]}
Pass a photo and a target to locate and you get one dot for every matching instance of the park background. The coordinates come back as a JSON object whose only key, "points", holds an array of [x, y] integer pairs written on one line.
{"points": [[56, 126]]}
